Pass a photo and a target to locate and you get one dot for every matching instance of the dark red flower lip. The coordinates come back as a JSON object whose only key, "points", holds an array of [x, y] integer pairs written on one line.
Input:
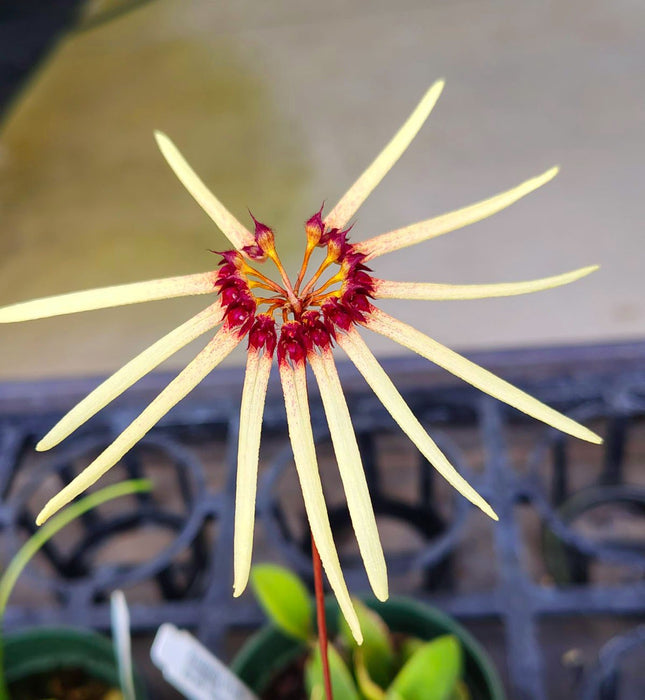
{"points": [[292, 344], [263, 335]]}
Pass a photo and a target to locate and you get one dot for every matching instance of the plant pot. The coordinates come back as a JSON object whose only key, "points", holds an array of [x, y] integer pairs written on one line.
{"points": [[49, 649], [269, 650]]}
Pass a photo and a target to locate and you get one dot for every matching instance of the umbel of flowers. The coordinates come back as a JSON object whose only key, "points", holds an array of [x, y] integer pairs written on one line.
{"points": [[300, 322]]}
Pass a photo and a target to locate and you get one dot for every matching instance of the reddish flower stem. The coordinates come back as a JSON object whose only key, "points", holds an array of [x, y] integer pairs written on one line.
{"points": [[310, 285], [320, 616]]}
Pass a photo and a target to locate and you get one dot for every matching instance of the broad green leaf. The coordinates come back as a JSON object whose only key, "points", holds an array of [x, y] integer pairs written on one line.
{"points": [[377, 651], [342, 683], [432, 672], [409, 647], [284, 599]]}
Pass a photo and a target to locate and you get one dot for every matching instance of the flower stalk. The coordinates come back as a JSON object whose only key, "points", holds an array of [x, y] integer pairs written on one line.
{"points": [[321, 618]]}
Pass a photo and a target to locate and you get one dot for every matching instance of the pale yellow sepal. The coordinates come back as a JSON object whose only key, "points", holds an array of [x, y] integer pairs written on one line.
{"points": [[429, 291], [294, 387], [361, 189], [479, 377], [236, 233], [431, 228], [389, 396], [256, 379], [216, 350], [107, 297], [350, 466], [130, 373]]}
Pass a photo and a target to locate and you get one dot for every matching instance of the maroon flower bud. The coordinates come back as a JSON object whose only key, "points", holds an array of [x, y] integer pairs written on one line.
{"points": [[254, 252], [358, 303], [230, 294], [315, 227], [263, 334], [291, 345], [326, 235], [263, 237], [352, 259], [337, 315], [362, 279], [316, 331], [337, 245], [226, 271], [240, 315], [230, 257]]}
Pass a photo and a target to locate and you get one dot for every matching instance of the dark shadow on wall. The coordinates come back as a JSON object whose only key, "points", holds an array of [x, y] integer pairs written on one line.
{"points": [[29, 29]]}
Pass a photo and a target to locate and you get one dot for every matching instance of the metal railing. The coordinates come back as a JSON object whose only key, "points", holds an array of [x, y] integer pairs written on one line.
{"points": [[191, 456]]}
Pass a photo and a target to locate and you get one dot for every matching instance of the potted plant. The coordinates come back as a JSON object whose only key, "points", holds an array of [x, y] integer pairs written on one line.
{"points": [[409, 650], [61, 663]]}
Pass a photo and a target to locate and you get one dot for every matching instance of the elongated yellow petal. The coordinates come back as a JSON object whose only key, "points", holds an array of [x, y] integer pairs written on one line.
{"points": [[382, 385], [216, 350], [256, 379], [237, 234], [474, 374], [351, 470], [107, 297], [431, 228], [130, 373], [361, 189], [294, 387], [384, 289]]}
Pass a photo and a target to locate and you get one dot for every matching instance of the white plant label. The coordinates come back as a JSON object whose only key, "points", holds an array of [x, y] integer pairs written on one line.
{"points": [[191, 668]]}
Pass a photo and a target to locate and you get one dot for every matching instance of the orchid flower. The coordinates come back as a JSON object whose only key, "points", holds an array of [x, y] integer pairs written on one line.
{"points": [[300, 322]]}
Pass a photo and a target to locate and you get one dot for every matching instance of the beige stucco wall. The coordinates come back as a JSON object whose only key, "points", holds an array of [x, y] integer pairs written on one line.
{"points": [[279, 106]]}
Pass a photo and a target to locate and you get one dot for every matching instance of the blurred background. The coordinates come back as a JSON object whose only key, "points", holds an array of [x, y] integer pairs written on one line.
{"points": [[279, 106]]}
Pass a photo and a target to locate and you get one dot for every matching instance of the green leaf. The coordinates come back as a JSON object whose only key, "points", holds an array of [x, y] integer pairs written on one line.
{"points": [[342, 684], [377, 651], [48, 530], [284, 599], [431, 673], [409, 647], [369, 689]]}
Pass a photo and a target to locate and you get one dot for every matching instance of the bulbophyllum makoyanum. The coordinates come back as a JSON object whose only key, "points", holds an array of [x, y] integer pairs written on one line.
{"points": [[300, 322]]}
